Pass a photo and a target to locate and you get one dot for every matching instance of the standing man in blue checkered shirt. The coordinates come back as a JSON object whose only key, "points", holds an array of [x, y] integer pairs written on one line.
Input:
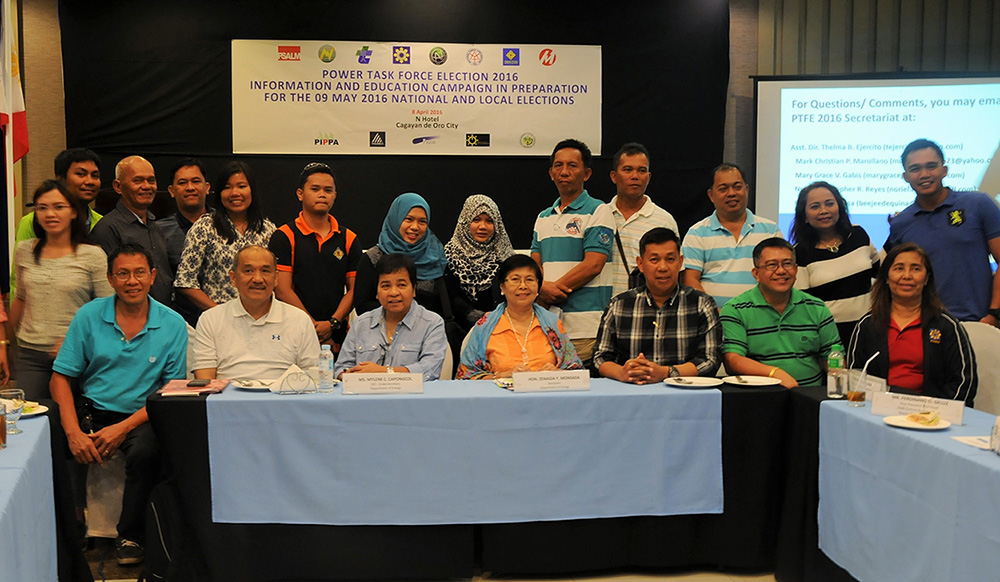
{"points": [[661, 329]]}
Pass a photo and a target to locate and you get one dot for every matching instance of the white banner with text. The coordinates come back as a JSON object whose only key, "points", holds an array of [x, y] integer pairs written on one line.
{"points": [[365, 97]]}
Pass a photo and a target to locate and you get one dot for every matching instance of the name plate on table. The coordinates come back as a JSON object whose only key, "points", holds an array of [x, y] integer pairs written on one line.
{"points": [[872, 383], [383, 383], [551, 381], [890, 403]]}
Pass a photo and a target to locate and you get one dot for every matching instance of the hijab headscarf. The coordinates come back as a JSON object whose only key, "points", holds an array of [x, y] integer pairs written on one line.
{"points": [[475, 263], [427, 253]]}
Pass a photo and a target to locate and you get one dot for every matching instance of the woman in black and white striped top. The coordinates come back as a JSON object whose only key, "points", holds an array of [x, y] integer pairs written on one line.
{"points": [[837, 261]]}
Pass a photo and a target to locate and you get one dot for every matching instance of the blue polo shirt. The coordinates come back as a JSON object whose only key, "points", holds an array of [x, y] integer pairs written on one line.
{"points": [[956, 235], [115, 373]]}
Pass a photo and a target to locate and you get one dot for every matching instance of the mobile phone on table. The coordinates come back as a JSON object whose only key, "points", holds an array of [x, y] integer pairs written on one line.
{"points": [[199, 383]]}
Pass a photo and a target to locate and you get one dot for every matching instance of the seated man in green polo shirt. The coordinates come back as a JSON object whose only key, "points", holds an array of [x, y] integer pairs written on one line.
{"points": [[774, 329]]}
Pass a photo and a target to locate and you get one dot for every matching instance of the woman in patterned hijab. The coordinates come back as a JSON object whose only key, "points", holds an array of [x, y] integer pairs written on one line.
{"points": [[475, 251]]}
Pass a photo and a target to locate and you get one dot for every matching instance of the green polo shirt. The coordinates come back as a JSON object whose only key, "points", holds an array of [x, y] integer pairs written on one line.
{"points": [[797, 341]]}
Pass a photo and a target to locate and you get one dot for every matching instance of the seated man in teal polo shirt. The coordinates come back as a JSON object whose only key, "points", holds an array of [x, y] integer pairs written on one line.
{"points": [[774, 329], [121, 349]]}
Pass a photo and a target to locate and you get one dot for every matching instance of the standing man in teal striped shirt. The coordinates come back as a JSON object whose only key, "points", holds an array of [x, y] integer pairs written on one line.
{"points": [[572, 242], [717, 250]]}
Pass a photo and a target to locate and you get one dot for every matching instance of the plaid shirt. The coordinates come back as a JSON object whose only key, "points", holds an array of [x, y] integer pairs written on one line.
{"points": [[685, 329]]}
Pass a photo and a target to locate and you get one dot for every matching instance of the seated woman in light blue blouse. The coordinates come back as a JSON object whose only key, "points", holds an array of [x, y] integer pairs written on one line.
{"points": [[399, 336]]}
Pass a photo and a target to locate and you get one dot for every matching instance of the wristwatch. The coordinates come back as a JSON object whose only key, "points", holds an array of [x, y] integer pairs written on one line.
{"points": [[673, 373], [995, 312], [335, 324]]}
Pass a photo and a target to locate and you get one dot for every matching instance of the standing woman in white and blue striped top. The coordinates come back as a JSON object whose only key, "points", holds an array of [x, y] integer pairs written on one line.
{"points": [[837, 261]]}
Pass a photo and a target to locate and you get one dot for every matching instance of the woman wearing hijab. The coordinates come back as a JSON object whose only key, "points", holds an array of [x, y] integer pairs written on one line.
{"points": [[475, 251], [405, 230]]}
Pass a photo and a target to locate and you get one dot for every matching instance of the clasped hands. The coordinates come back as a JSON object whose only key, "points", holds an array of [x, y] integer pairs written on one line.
{"points": [[98, 446], [639, 370]]}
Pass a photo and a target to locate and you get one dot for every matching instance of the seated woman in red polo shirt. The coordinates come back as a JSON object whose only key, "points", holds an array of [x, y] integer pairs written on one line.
{"points": [[922, 348]]}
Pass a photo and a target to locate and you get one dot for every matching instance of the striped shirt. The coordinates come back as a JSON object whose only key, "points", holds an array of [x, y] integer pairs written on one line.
{"points": [[842, 279], [685, 329], [797, 340], [562, 239], [725, 263], [630, 230]]}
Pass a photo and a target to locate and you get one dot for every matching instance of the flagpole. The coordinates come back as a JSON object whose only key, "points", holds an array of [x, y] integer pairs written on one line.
{"points": [[9, 130]]}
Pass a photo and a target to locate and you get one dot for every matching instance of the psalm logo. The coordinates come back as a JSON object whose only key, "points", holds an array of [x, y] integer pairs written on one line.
{"points": [[289, 53]]}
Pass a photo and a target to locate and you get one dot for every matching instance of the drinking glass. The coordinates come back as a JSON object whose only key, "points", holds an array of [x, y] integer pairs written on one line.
{"points": [[856, 392], [14, 398]]}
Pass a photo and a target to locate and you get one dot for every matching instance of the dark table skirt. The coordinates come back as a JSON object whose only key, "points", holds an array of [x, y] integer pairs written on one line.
{"points": [[743, 537]]}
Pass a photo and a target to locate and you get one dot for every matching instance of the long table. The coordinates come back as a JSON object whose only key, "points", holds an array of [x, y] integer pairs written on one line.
{"points": [[27, 514], [901, 504], [464, 452], [740, 537]]}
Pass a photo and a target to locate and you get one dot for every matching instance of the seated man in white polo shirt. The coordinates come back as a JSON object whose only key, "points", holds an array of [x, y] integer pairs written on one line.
{"points": [[254, 336]]}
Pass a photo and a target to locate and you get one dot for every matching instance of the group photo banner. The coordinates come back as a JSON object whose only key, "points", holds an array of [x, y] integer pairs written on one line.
{"points": [[366, 97]]}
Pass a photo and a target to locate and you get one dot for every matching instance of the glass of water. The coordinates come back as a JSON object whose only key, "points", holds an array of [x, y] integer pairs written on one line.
{"points": [[14, 399]]}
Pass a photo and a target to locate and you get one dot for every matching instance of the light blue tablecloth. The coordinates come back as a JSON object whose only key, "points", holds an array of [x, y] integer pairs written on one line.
{"points": [[897, 504], [27, 509], [464, 452]]}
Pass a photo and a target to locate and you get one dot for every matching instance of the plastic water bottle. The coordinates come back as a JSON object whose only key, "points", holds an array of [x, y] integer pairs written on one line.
{"points": [[325, 369], [836, 375]]}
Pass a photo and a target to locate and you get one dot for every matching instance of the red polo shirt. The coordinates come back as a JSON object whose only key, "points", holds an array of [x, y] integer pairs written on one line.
{"points": [[906, 356]]}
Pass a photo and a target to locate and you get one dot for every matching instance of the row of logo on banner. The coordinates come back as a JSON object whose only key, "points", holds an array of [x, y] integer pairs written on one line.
{"points": [[403, 55], [377, 139]]}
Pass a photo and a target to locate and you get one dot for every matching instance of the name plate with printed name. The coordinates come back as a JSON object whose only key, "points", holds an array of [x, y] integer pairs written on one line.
{"points": [[891, 403], [550, 381], [872, 383], [383, 383]]}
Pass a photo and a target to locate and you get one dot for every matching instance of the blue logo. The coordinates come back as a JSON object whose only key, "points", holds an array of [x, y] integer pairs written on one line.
{"points": [[401, 55], [364, 55], [511, 57]]}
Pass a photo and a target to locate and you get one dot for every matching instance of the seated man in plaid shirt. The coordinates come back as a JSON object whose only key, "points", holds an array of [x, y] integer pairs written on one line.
{"points": [[661, 329]]}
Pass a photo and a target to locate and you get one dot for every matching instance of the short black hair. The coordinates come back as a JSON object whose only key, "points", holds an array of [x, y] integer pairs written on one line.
{"points": [[239, 253], [393, 262], [574, 144], [186, 163], [920, 144], [658, 235], [775, 242], [67, 158], [514, 262], [725, 167], [129, 249], [314, 168], [632, 148]]}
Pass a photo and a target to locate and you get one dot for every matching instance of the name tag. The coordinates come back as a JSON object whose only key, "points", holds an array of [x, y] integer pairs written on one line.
{"points": [[550, 381], [383, 383], [890, 403]]}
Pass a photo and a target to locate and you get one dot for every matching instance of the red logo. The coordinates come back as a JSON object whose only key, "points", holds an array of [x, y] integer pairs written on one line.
{"points": [[547, 57], [289, 53]]}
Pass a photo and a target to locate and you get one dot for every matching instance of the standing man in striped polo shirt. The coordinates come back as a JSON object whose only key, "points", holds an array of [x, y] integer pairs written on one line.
{"points": [[572, 242], [718, 250]]}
